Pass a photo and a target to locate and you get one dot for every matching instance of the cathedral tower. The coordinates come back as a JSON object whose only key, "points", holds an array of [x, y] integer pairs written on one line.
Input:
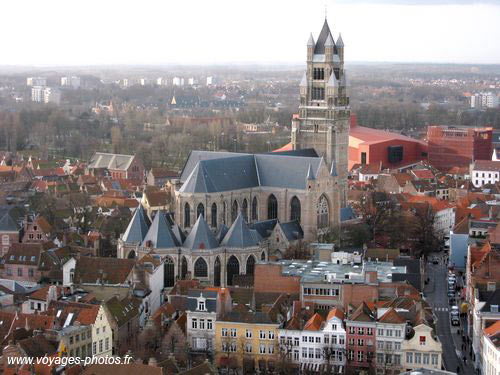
{"points": [[324, 113]]}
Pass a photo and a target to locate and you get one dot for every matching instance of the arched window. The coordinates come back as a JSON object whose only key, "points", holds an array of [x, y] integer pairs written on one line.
{"points": [[131, 255], [217, 270], [322, 212], [250, 265], [200, 210], [263, 256], [244, 209], [272, 207], [187, 215], [255, 209], [224, 212], [295, 209], [169, 272], [234, 211], [184, 268], [200, 268], [213, 215], [233, 268]]}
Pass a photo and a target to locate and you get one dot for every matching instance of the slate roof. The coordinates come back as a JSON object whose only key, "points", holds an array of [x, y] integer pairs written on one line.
{"points": [[206, 173], [247, 317], [264, 227], [319, 49], [221, 232], [292, 230], [303, 81], [347, 213], [137, 228], [160, 234], [493, 299], [200, 237], [179, 234], [310, 42], [240, 235], [111, 161], [340, 42], [7, 223], [209, 295]]}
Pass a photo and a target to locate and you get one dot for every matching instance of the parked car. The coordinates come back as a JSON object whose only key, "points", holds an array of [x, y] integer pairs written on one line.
{"points": [[455, 321], [454, 311], [451, 293]]}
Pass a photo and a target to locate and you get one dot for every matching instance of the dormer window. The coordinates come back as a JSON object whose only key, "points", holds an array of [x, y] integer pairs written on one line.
{"points": [[202, 306]]}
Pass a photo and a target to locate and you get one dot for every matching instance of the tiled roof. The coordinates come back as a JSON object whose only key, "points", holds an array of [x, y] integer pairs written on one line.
{"points": [[109, 270], [486, 165], [335, 312], [362, 314], [111, 161], [122, 369], [156, 198], [37, 346], [423, 174], [392, 317], [41, 294], [122, 311], [314, 323]]}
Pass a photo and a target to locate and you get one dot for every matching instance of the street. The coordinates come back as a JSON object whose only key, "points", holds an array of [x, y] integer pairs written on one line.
{"points": [[436, 295]]}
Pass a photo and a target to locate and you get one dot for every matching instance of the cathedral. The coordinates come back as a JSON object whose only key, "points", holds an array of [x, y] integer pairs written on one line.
{"points": [[227, 205]]}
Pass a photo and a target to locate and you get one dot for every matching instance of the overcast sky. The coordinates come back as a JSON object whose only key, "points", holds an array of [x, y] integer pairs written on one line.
{"points": [[90, 32]]}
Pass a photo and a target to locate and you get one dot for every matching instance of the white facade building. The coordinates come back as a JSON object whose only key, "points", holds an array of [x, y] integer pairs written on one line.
{"points": [[73, 82], [485, 172], [484, 100], [491, 350], [36, 81], [444, 220], [391, 333], [177, 81]]}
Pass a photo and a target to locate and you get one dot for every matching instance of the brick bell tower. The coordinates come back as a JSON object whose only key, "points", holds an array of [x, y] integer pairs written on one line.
{"points": [[323, 119]]}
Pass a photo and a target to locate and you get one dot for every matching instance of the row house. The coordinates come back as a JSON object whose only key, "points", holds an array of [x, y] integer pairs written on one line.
{"points": [[361, 327], [9, 229], [391, 333], [246, 339], [317, 345], [422, 348], [204, 306], [491, 350]]}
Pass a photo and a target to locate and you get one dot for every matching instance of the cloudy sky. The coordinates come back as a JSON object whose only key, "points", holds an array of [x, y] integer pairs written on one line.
{"points": [[82, 32]]}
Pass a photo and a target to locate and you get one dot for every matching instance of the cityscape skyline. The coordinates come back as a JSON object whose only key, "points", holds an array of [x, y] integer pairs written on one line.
{"points": [[155, 33]]}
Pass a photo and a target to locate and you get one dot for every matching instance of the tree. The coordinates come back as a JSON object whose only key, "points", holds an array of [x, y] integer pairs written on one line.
{"points": [[175, 343], [299, 250], [285, 352], [425, 235]]}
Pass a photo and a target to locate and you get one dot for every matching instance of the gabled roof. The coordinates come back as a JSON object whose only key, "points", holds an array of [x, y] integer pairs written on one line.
{"points": [[160, 234], [314, 323], [335, 312], [391, 317], [221, 232], [329, 41], [310, 173], [319, 49], [200, 237], [137, 228], [179, 234], [362, 314], [123, 310], [292, 230], [7, 223], [240, 235], [111, 161], [332, 81], [108, 270]]}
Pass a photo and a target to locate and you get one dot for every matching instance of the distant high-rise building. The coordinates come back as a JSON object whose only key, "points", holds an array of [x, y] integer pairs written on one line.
{"points": [[210, 81], [36, 81], [73, 82], [192, 81], [161, 81], [125, 82], [484, 100], [177, 81], [458, 146], [144, 81], [45, 95]]}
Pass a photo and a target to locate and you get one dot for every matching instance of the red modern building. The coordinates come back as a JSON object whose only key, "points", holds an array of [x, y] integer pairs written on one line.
{"points": [[458, 146], [372, 146]]}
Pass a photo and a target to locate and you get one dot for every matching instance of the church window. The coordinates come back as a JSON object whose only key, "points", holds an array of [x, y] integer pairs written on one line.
{"points": [[295, 209], [319, 73], [263, 256], [224, 212], [255, 209], [200, 210], [214, 215], [250, 265], [234, 210], [244, 209], [187, 215], [322, 212], [200, 268], [318, 93], [272, 207]]}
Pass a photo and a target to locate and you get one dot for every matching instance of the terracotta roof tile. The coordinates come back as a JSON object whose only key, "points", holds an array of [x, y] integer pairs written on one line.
{"points": [[391, 316], [314, 324]]}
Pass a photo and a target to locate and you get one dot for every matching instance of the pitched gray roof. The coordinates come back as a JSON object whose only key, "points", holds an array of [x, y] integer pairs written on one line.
{"points": [[292, 230], [160, 234], [323, 36], [264, 227], [243, 171], [310, 42], [340, 42], [200, 237], [111, 161], [137, 228], [209, 295], [332, 81], [310, 173], [240, 235], [7, 223], [196, 156], [346, 213], [179, 234], [221, 233], [333, 170]]}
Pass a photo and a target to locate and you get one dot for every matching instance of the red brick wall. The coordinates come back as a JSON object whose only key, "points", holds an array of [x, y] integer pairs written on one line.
{"points": [[355, 294], [365, 348], [268, 278]]}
